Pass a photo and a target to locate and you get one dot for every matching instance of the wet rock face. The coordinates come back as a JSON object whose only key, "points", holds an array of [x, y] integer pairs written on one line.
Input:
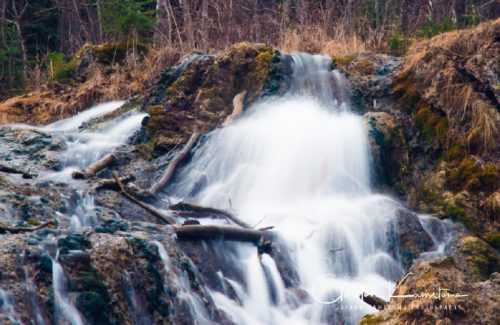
{"points": [[411, 237], [28, 151], [198, 94], [115, 278], [370, 77], [389, 151]]}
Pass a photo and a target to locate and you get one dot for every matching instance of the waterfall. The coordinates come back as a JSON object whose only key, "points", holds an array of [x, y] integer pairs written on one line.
{"points": [[300, 163], [64, 307], [7, 308]]}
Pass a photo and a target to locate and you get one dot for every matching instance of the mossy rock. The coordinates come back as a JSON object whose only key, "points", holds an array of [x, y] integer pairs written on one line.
{"points": [[72, 242], [110, 53], [473, 175], [429, 199], [493, 240], [371, 320], [477, 257], [390, 150], [94, 308], [341, 62], [200, 97]]}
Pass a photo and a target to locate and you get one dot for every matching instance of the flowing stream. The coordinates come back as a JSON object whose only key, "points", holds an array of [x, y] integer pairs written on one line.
{"points": [[300, 163]]}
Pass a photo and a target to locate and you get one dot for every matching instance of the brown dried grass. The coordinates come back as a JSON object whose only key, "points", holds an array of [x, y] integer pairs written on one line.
{"points": [[315, 40]]}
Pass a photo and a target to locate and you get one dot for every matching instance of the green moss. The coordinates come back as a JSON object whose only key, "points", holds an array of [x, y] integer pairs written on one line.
{"points": [[155, 121], [155, 293], [479, 256], [454, 152], [258, 74], [472, 175], [72, 242], [275, 76], [493, 240], [457, 214], [430, 201], [110, 53], [434, 126], [406, 93], [371, 319], [59, 68], [342, 61]]}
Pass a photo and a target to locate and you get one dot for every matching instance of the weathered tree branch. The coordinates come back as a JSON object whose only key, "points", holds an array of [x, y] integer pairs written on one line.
{"points": [[183, 208], [238, 108], [172, 166], [147, 207], [110, 183], [91, 170], [17, 230], [373, 301], [10, 170], [201, 232]]}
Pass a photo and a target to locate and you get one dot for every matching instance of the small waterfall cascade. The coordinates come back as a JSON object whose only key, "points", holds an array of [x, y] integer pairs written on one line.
{"points": [[195, 306], [300, 163], [65, 310], [84, 147], [7, 311]]}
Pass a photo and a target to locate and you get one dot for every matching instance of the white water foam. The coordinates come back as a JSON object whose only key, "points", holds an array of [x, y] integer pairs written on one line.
{"points": [[301, 162]]}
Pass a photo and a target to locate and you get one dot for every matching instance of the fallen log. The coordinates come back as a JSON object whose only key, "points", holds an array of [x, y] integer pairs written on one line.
{"points": [[17, 230], [201, 232], [110, 183], [92, 169], [373, 301], [145, 206], [10, 170], [172, 166], [200, 211]]}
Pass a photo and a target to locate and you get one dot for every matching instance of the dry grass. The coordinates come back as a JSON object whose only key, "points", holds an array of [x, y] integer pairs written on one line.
{"points": [[436, 62], [315, 40], [51, 101]]}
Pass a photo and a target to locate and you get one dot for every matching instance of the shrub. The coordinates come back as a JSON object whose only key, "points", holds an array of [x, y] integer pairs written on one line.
{"points": [[58, 67], [431, 27]]}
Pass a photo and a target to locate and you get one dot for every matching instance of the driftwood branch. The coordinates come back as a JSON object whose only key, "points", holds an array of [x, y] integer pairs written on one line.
{"points": [[193, 210], [91, 170], [17, 230], [147, 207], [110, 183], [201, 232], [238, 108], [12, 170], [373, 301], [172, 166]]}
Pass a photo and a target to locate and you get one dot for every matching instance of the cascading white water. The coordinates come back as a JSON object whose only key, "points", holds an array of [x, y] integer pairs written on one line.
{"points": [[85, 147], [7, 308], [64, 307], [300, 163]]}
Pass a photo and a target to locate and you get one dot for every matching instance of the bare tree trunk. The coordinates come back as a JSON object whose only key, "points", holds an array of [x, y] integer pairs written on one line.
{"points": [[188, 23], [255, 21], [99, 20], [163, 22], [204, 22], [18, 16], [285, 20], [328, 24]]}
